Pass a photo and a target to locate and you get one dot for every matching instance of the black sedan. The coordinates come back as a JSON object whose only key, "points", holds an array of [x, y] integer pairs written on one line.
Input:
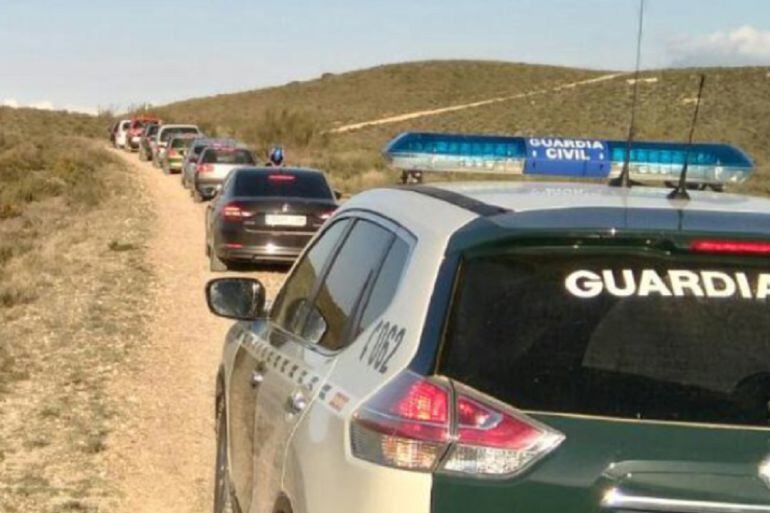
{"points": [[265, 215]]}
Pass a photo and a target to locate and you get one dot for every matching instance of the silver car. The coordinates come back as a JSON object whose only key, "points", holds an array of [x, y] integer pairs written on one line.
{"points": [[165, 133], [213, 166], [193, 154]]}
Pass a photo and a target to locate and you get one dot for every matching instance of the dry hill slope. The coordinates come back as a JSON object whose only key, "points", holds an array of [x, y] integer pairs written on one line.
{"points": [[736, 109]]}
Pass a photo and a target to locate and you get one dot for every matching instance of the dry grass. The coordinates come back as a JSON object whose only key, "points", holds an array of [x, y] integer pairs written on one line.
{"points": [[72, 292]]}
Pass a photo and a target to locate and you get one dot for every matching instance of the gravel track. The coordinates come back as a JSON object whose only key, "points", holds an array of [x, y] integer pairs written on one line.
{"points": [[163, 456]]}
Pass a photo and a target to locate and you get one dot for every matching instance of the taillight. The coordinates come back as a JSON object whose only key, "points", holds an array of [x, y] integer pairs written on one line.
{"points": [[173, 153], [326, 215], [494, 439], [204, 168], [735, 247], [281, 177], [235, 212], [405, 425], [419, 424]]}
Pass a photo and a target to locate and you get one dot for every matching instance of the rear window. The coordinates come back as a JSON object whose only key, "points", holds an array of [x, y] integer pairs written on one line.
{"points": [[180, 143], [125, 125], [282, 184], [152, 129], [228, 156], [630, 337], [170, 132]]}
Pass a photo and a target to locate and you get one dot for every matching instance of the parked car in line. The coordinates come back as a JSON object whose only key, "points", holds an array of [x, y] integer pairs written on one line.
{"points": [[165, 132], [112, 131], [266, 215], [174, 157], [213, 166], [121, 133], [136, 129], [504, 347], [194, 151], [148, 142]]}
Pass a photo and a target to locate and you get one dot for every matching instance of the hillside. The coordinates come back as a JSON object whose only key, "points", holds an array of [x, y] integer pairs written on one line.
{"points": [[71, 225], [736, 109]]}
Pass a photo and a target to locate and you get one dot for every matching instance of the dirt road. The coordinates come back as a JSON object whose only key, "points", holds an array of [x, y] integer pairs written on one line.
{"points": [[162, 458]]}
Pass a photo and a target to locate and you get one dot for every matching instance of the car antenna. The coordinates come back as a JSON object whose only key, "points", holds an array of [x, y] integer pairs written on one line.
{"points": [[623, 179], [680, 192]]}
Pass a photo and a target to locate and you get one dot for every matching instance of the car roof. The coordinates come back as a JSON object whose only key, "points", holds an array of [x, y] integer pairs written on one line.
{"points": [[525, 196], [162, 127], [552, 206], [215, 144], [268, 169]]}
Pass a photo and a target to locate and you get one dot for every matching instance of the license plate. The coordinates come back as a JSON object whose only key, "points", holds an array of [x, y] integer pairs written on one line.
{"points": [[285, 220]]}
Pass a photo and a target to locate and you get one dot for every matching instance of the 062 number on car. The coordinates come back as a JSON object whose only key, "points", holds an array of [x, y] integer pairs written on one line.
{"points": [[382, 344]]}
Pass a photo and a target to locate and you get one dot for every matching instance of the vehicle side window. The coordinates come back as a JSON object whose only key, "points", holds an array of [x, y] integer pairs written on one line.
{"points": [[210, 157], [385, 287], [293, 300], [354, 269]]}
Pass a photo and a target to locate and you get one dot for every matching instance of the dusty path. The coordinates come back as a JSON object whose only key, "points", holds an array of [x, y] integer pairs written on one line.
{"points": [[162, 458], [434, 112]]}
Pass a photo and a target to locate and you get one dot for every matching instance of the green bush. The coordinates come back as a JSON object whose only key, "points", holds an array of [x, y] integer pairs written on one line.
{"points": [[283, 126]]}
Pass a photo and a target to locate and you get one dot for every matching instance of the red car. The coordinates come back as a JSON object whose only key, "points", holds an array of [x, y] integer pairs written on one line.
{"points": [[136, 130]]}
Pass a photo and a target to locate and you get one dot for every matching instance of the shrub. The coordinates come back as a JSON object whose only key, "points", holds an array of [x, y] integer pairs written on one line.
{"points": [[288, 127]]}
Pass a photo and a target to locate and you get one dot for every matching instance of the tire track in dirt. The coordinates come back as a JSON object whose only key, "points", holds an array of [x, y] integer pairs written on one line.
{"points": [[162, 456]]}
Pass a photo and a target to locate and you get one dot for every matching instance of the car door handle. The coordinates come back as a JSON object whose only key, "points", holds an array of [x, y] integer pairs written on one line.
{"points": [[296, 402]]}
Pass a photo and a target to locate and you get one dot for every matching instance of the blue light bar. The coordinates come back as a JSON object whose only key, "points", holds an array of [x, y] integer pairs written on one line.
{"points": [[715, 164]]}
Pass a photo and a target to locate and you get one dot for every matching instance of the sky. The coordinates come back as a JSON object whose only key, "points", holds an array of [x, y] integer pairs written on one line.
{"points": [[107, 54]]}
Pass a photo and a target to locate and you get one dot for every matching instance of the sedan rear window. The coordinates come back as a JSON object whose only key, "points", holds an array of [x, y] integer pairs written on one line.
{"points": [[180, 143], [169, 133], [629, 337], [228, 156], [282, 184]]}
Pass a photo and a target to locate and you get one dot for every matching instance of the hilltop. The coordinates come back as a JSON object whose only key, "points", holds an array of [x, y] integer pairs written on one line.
{"points": [[304, 115]]}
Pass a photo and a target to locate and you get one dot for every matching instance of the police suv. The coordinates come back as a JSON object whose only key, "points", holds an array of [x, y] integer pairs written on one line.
{"points": [[519, 346]]}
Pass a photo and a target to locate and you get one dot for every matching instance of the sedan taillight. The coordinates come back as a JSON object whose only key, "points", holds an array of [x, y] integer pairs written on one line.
{"points": [[204, 168], [234, 212], [326, 215], [419, 424]]}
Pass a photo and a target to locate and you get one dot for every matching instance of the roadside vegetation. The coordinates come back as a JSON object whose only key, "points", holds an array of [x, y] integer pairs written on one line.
{"points": [[735, 110], [72, 282]]}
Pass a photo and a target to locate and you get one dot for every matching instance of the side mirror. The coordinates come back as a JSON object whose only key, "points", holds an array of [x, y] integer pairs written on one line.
{"points": [[242, 299], [337, 194]]}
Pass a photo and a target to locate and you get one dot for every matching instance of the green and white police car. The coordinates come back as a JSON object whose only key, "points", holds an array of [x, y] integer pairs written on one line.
{"points": [[510, 347]]}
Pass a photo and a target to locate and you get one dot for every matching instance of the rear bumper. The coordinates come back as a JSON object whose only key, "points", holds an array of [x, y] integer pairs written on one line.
{"points": [[266, 253], [175, 164], [237, 243], [133, 143], [207, 186]]}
